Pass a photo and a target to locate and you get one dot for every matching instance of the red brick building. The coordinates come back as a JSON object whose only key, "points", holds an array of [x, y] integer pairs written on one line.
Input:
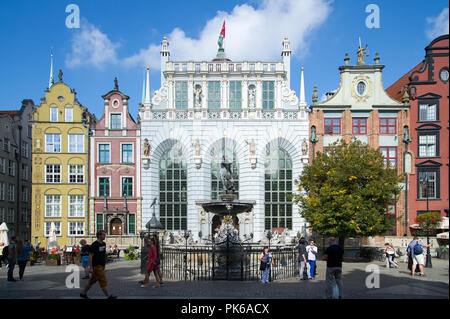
{"points": [[362, 109], [428, 89]]}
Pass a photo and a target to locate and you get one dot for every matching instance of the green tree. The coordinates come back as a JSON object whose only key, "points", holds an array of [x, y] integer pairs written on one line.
{"points": [[345, 191]]}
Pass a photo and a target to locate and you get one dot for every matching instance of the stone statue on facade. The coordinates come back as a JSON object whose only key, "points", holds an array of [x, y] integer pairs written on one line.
{"points": [[226, 176], [304, 147], [196, 145], [198, 96], [251, 97], [146, 148], [251, 147]]}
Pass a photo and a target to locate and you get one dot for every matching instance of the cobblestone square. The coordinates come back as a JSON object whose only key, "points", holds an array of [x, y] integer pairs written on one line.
{"points": [[47, 282]]}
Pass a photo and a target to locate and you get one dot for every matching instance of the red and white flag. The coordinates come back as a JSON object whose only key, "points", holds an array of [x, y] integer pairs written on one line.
{"points": [[222, 33]]}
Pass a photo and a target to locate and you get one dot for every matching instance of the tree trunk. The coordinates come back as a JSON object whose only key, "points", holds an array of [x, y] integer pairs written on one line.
{"points": [[341, 241]]}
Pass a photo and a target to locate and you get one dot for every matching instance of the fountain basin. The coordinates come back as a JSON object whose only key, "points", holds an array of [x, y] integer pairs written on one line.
{"points": [[224, 208]]}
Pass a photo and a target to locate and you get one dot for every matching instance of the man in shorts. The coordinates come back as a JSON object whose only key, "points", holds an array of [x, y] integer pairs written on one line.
{"points": [[415, 249], [97, 261]]}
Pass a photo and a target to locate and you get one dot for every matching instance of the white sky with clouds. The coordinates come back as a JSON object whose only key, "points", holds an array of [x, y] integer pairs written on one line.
{"points": [[252, 33], [437, 26]]}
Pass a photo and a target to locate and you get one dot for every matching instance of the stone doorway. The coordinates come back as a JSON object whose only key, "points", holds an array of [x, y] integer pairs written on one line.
{"points": [[116, 227]]}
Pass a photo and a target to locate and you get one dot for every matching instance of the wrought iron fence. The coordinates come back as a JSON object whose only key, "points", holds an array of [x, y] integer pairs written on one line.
{"points": [[219, 263]]}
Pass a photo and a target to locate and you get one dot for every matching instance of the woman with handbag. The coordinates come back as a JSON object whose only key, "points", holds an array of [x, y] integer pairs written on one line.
{"points": [[266, 261], [152, 265]]}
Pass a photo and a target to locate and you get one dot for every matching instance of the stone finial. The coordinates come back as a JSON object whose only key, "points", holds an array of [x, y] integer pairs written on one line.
{"points": [[346, 59], [376, 58], [405, 96], [315, 98]]}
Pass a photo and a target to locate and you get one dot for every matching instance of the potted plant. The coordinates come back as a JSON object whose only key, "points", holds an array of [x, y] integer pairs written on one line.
{"points": [[130, 253], [53, 260]]}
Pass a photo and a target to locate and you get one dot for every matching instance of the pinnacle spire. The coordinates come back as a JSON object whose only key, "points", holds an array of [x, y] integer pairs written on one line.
{"points": [[143, 87], [147, 88], [51, 81], [302, 90]]}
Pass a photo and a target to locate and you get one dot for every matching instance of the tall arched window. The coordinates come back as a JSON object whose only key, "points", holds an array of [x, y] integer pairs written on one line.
{"points": [[217, 157], [173, 191], [277, 190]]}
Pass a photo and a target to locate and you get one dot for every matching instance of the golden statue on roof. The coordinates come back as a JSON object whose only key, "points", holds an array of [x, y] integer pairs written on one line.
{"points": [[361, 52]]}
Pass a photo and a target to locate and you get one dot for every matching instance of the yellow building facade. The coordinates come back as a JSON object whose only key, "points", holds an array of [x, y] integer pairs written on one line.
{"points": [[60, 166]]}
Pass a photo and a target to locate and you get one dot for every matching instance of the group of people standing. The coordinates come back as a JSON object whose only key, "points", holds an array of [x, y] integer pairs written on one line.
{"points": [[17, 252], [307, 256]]}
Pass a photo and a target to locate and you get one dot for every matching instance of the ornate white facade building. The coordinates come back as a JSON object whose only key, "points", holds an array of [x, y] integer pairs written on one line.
{"points": [[243, 110]]}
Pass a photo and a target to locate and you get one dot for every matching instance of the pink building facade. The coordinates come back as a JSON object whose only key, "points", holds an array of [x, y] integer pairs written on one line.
{"points": [[115, 179]]}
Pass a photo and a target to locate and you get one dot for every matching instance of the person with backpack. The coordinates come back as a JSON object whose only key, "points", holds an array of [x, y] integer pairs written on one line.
{"points": [[415, 249], [266, 261], [303, 258]]}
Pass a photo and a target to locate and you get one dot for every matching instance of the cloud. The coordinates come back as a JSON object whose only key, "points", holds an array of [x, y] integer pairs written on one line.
{"points": [[91, 47], [252, 33], [437, 26]]}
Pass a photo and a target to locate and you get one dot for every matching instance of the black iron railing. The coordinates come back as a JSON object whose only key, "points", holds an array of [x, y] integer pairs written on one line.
{"points": [[222, 263]]}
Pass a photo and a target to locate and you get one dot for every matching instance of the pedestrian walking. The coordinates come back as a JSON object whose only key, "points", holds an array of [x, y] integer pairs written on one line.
{"points": [[152, 265], [85, 258], [97, 261], [415, 249], [303, 258], [266, 262], [158, 259], [23, 256], [334, 255], [312, 252], [390, 255], [12, 258]]}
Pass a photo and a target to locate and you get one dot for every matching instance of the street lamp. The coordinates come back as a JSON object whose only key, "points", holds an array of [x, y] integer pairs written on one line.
{"points": [[424, 183], [314, 140], [187, 234]]}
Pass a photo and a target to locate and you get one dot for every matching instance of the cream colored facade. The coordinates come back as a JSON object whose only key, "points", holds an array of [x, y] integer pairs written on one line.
{"points": [[60, 166]]}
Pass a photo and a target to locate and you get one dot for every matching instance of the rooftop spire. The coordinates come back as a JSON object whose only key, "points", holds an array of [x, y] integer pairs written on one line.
{"points": [[51, 81], [143, 87], [147, 88], [302, 90]]}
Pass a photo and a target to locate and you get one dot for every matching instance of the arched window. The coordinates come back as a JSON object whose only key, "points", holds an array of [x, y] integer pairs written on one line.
{"points": [[217, 157], [277, 190], [173, 191]]}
